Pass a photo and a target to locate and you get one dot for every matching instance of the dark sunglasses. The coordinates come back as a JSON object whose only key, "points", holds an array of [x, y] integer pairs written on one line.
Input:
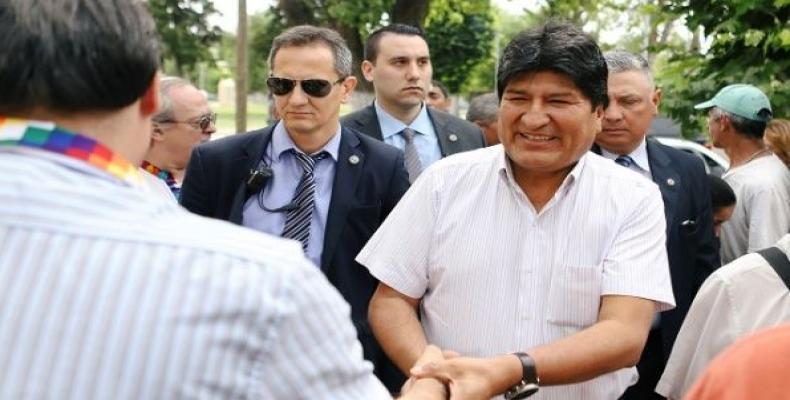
{"points": [[204, 122], [312, 87]]}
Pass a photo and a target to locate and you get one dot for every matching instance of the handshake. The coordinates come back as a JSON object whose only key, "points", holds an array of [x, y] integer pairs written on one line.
{"points": [[443, 375]]}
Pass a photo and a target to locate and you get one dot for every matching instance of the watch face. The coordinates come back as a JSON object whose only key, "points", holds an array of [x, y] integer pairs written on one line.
{"points": [[521, 391]]}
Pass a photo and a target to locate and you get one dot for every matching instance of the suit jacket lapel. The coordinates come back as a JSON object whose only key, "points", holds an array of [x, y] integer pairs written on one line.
{"points": [[443, 133], [667, 179], [369, 123], [347, 176], [247, 160]]}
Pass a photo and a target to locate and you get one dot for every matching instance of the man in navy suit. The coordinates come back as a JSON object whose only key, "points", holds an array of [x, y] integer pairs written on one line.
{"points": [[305, 177], [691, 245], [398, 63]]}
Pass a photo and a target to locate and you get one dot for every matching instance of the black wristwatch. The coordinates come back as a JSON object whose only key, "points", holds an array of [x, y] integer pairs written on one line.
{"points": [[530, 384]]}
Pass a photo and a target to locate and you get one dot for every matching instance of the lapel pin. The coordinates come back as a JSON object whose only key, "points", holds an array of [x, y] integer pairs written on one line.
{"points": [[671, 182], [453, 137], [354, 160]]}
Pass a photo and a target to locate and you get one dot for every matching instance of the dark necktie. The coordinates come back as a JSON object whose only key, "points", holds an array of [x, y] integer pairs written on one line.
{"points": [[297, 221], [625, 161], [412, 157]]}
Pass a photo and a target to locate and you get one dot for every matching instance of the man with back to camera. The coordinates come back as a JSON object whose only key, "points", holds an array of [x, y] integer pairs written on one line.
{"points": [[326, 186], [109, 292], [577, 256], [398, 63], [737, 117], [691, 245]]}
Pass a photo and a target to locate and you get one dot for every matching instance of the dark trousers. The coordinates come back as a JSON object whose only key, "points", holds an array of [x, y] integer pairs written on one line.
{"points": [[650, 366]]}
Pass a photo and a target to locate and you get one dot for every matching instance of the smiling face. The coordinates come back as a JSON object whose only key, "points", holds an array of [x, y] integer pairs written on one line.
{"points": [[633, 103], [546, 124], [302, 114], [401, 72]]}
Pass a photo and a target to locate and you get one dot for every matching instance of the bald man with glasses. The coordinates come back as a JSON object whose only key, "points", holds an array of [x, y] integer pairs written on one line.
{"points": [[307, 178], [183, 121]]}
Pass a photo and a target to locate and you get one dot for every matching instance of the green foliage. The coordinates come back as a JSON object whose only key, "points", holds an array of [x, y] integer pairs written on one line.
{"points": [[264, 27], [185, 32], [749, 45], [460, 35]]}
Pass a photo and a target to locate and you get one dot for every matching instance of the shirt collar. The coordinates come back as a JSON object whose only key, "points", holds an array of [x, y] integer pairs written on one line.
{"points": [[282, 142], [391, 126], [506, 171], [639, 155], [46, 136]]}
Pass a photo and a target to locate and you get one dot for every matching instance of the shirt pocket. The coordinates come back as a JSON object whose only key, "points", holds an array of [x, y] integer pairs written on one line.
{"points": [[575, 296]]}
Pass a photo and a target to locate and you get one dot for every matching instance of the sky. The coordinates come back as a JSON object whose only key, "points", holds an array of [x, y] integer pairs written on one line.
{"points": [[229, 10]]}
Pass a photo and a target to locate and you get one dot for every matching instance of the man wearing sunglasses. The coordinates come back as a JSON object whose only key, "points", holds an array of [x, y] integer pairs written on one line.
{"points": [[398, 63], [183, 121], [305, 177]]}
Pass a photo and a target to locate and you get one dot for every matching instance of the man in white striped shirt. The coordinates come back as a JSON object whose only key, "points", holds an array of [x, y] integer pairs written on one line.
{"points": [[536, 246], [110, 292]]}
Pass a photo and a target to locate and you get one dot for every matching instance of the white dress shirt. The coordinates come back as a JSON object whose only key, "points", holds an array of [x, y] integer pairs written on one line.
{"points": [[641, 163], [109, 292], [737, 299], [495, 277]]}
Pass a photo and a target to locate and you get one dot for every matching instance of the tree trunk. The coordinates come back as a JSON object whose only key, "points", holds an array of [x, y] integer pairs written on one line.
{"points": [[412, 12], [241, 69], [296, 12]]}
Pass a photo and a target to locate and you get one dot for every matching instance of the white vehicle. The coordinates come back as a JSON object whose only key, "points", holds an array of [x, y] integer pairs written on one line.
{"points": [[715, 163]]}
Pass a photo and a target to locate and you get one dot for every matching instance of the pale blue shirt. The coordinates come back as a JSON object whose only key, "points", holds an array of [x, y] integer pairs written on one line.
{"points": [[426, 141], [281, 187]]}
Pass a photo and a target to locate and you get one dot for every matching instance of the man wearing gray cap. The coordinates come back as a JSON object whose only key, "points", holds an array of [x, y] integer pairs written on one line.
{"points": [[737, 117]]}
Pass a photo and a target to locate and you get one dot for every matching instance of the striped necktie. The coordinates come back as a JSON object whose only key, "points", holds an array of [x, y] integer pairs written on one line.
{"points": [[412, 157], [625, 161], [298, 219]]}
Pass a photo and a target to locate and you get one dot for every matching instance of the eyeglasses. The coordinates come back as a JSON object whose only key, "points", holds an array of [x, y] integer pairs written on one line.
{"points": [[312, 87], [204, 122]]}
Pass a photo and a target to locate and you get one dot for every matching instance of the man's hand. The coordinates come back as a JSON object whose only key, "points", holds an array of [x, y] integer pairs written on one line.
{"points": [[473, 378], [428, 388]]}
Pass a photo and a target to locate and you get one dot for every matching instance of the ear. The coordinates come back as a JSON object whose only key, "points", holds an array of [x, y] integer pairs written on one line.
{"points": [[656, 100], [347, 86], [157, 135], [149, 101], [367, 70]]}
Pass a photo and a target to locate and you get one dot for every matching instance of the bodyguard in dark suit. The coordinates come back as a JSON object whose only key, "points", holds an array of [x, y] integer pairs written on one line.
{"points": [[691, 245], [305, 177], [398, 63]]}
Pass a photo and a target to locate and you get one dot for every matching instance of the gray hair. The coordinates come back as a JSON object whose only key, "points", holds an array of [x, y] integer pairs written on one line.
{"points": [[623, 61], [483, 108], [304, 35], [165, 112], [745, 126]]}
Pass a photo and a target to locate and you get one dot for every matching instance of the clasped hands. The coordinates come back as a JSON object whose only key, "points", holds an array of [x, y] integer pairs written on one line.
{"points": [[461, 378]]}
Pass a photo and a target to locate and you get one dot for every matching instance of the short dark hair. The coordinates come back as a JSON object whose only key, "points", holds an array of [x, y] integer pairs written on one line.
{"points": [[721, 194], [75, 55], [441, 87], [372, 44], [305, 35], [560, 48]]}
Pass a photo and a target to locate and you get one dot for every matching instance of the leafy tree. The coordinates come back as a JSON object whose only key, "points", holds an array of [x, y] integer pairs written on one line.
{"points": [[453, 27], [185, 32], [750, 43], [460, 35]]}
